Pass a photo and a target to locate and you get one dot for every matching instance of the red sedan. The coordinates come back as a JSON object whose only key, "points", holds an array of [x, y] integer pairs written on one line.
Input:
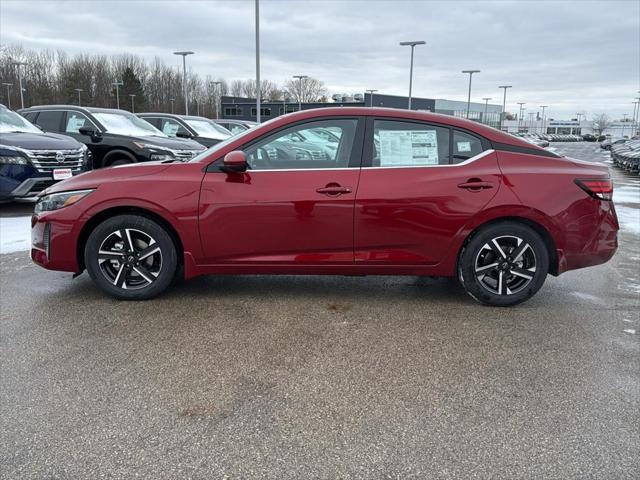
{"points": [[337, 191]]}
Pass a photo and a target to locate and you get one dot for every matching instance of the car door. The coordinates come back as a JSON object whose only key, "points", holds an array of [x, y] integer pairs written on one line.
{"points": [[294, 204], [420, 184], [73, 122]]}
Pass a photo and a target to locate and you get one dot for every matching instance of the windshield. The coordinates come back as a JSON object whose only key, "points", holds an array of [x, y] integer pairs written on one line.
{"points": [[208, 129], [12, 122], [127, 124]]}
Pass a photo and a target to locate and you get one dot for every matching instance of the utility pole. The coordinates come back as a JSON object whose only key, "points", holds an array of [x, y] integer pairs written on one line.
{"points": [[8, 85], [504, 104], [117, 83], [172, 100], [520, 113], [371, 92], [19, 68], [544, 123], [219, 85], [258, 61], [184, 78], [79, 90], [300, 78], [411, 44], [470, 72], [486, 106], [133, 106]]}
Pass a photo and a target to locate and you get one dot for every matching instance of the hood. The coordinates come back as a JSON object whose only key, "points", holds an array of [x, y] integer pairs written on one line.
{"points": [[39, 141], [94, 178], [163, 142]]}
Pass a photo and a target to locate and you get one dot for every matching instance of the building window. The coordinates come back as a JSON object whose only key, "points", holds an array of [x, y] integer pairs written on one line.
{"points": [[264, 111], [232, 111]]}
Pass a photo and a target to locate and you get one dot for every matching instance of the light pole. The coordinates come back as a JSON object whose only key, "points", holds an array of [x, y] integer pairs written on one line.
{"points": [[133, 106], [172, 100], [470, 72], [184, 78], [300, 78], [530, 127], [8, 85], [117, 83], [544, 126], [486, 106], [520, 113], [258, 61], [371, 92], [411, 44], [19, 68], [79, 90], [219, 85], [504, 103]]}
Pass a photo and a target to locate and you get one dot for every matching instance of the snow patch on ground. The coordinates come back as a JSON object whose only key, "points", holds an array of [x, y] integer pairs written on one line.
{"points": [[626, 195], [15, 234], [629, 219]]}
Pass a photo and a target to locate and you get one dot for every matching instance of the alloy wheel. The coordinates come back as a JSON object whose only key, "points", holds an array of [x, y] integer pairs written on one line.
{"points": [[505, 265], [130, 259]]}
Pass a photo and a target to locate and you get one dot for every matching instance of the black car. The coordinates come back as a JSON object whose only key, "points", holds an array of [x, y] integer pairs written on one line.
{"points": [[115, 137], [31, 160], [589, 137], [201, 129], [235, 126]]}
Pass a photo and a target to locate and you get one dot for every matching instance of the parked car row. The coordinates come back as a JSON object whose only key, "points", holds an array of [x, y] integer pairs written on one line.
{"points": [[626, 155], [534, 138], [41, 145]]}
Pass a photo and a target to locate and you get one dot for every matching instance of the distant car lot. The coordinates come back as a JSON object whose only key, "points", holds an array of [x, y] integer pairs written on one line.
{"points": [[314, 377]]}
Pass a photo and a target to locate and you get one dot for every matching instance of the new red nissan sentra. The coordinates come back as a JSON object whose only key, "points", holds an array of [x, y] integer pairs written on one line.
{"points": [[337, 191]]}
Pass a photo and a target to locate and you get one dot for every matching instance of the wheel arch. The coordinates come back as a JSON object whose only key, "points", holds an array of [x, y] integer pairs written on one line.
{"points": [[117, 153], [103, 215], [540, 229]]}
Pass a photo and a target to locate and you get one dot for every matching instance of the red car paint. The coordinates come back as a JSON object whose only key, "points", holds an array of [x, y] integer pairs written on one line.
{"points": [[397, 221]]}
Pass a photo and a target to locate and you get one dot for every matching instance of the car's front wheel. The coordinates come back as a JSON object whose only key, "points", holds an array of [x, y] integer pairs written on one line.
{"points": [[504, 264], [131, 257]]}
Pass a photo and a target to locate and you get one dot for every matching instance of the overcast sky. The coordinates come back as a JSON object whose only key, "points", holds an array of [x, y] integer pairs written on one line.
{"points": [[571, 55]]}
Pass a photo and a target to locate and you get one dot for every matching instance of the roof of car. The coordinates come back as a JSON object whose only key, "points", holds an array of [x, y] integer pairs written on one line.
{"points": [[77, 108]]}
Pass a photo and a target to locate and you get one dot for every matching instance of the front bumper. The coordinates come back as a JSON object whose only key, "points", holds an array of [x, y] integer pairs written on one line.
{"points": [[54, 237]]}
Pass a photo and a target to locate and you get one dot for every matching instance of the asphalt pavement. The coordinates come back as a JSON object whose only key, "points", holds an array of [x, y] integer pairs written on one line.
{"points": [[324, 377]]}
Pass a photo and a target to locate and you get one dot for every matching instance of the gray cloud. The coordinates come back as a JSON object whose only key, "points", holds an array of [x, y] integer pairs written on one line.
{"points": [[571, 55]]}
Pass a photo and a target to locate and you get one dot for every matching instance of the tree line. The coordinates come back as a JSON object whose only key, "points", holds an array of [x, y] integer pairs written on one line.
{"points": [[54, 77]]}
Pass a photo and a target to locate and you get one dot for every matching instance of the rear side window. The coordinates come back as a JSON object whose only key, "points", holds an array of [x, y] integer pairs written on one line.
{"points": [[409, 144], [50, 121], [465, 146]]}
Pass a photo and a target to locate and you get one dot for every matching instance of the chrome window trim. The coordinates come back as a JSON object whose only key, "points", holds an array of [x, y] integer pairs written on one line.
{"points": [[461, 164]]}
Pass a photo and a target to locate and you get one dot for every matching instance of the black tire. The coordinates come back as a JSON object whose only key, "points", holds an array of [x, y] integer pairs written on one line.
{"points": [[497, 274], [138, 258]]}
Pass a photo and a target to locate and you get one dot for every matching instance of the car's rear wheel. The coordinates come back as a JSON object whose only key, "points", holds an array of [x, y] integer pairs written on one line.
{"points": [[504, 264], [131, 257]]}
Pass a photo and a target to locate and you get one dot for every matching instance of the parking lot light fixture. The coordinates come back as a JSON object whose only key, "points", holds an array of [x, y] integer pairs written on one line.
{"points": [[544, 129], [18, 66], [411, 44], [117, 84], [300, 78], [8, 85], [470, 72], [504, 103], [486, 106], [219, 85], [520, 113], [371, 92], [184, 78], [79, 90]]}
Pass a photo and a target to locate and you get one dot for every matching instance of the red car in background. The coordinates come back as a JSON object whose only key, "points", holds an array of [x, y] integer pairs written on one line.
{"points": [[344, 191]]}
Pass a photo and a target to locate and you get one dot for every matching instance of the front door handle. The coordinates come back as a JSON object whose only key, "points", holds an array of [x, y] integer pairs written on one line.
{"points": [[475, 185], [333, 189]]}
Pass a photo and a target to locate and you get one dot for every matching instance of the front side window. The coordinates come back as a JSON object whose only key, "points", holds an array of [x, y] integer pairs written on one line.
{"points": [[171, 128], [409, 144], [294, 148], [127, 124], [50, 121], [465, 146], [75, 121]]}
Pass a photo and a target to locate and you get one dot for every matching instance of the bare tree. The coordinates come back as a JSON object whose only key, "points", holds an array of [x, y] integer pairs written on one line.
{"points": [[601, 122], [306, 90]]}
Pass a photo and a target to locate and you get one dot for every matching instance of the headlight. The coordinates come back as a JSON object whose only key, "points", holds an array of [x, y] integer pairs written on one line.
{"points": [[56, 201], [13, 160], [159, 157]]}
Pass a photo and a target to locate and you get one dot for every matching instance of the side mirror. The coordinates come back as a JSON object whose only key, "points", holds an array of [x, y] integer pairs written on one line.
{"points": [[234, 162], [88, 131], [183, 135]]}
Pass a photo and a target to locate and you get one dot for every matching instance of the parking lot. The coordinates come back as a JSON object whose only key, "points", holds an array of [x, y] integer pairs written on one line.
{"points": [[323, 377]]}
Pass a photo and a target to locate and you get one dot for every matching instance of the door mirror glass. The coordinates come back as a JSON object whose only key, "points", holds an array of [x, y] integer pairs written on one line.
{"points": [[234, 162]]}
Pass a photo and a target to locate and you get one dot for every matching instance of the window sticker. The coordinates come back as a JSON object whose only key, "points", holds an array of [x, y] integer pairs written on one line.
{"points": [[74, 124], [170, 129], [464, 146], [408, 147]]}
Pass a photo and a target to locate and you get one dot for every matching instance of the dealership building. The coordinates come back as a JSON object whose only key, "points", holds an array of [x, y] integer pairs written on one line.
{"points": [[239, 108]]}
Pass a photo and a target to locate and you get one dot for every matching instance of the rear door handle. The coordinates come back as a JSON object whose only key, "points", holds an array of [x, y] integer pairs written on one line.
{"points": [[333, 190], [477, 186]]}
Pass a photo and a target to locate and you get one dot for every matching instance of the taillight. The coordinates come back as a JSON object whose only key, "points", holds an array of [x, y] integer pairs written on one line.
{"points": [[600, 188]]}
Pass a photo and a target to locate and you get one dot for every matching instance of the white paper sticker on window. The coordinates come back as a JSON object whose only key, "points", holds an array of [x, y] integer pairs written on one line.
{"points": [[464, 146], [408, 147], [75, 123], [170, 129]]}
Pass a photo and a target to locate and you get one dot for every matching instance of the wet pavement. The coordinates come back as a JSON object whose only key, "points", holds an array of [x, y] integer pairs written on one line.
{"points": [[324, 377]]}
